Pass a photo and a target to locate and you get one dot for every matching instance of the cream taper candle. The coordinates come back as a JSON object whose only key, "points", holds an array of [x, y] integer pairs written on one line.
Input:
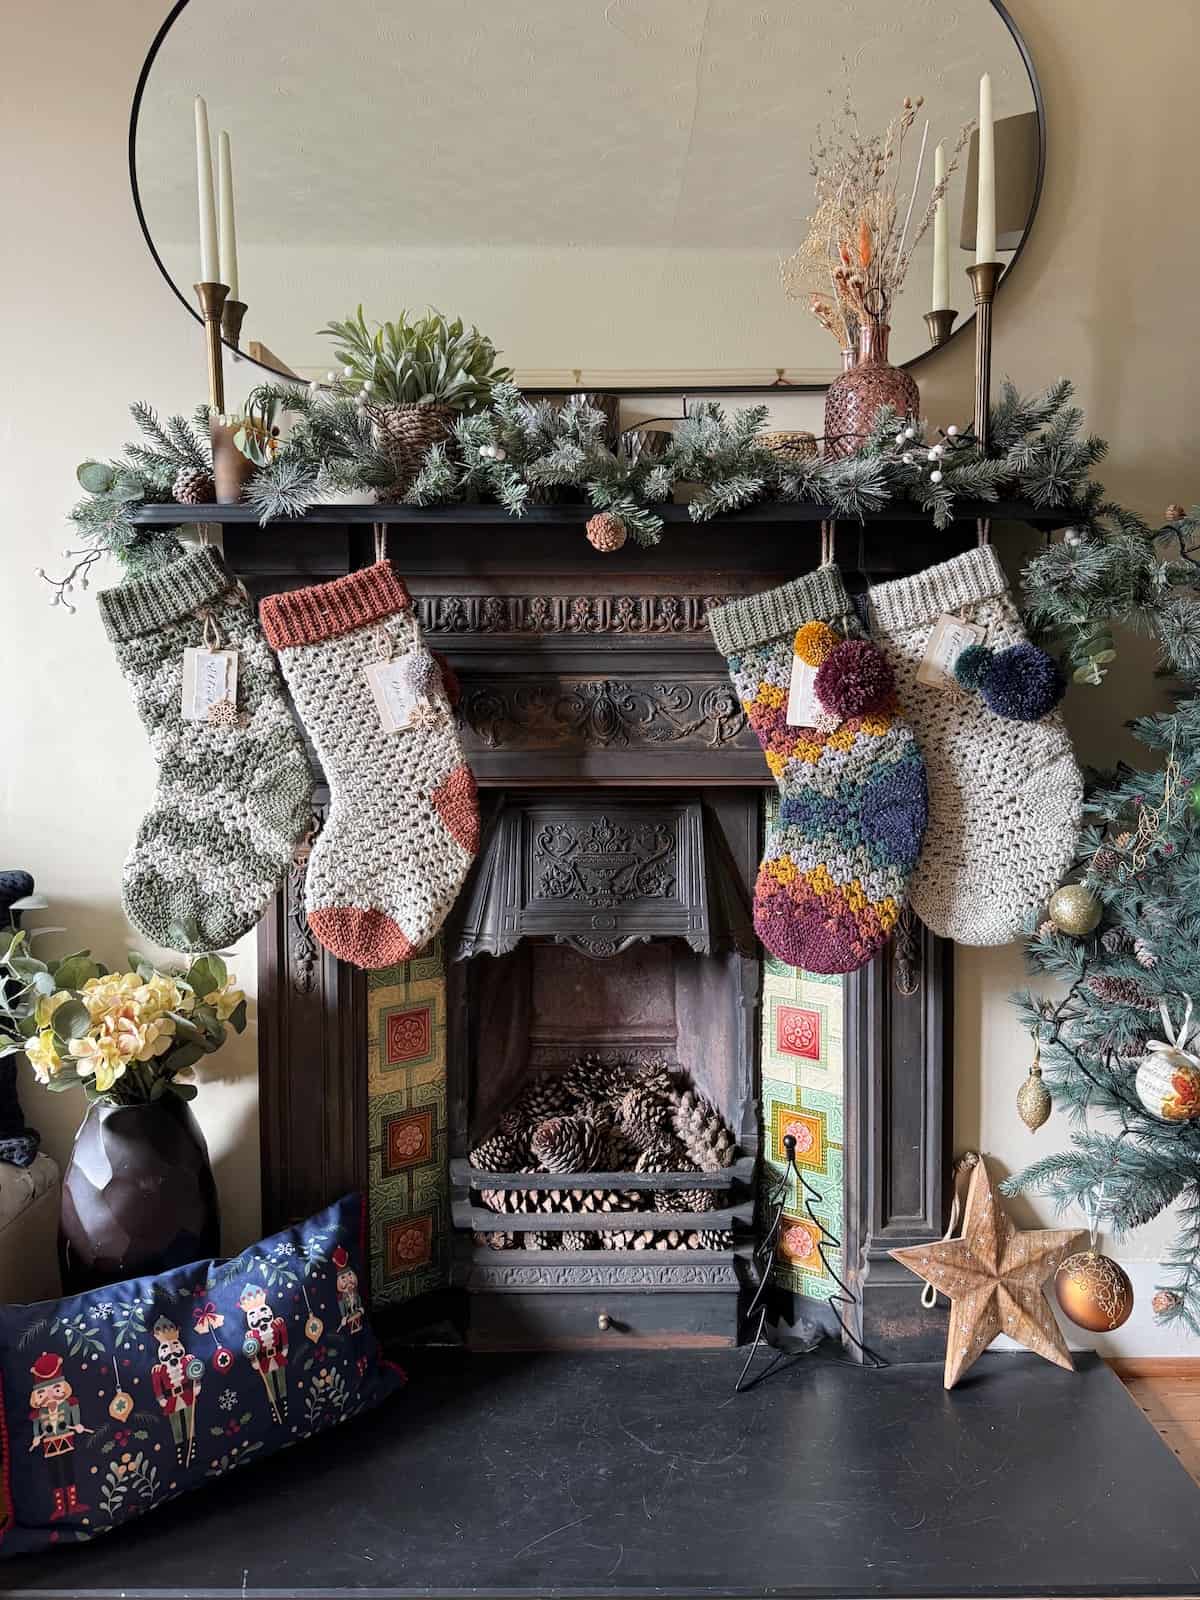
{"points": [[985, 210], [229, 261], [941, 238], [204, 188]]}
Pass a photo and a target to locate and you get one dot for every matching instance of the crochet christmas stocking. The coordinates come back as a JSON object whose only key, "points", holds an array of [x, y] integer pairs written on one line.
{"points": [[234, 787], [403, 824], [851, 780], [1004, 789]]}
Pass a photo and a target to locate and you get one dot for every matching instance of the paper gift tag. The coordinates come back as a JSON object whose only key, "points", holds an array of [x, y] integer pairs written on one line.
{"points": [[390, 683], [803, 707], [209, 677], [950, 637]]}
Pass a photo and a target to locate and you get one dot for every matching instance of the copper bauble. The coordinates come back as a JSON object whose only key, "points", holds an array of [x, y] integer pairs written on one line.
{"points": [[1094, 1291], [1074, 910]]}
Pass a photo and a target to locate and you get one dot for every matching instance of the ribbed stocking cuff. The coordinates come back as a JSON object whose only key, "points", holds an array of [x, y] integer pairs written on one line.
{"points": [[306, 616], [777, 613], [153, 602], [914, 602]]}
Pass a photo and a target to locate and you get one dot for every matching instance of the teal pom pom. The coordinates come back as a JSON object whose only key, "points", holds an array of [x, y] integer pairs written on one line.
{"points": [[972, 665]]}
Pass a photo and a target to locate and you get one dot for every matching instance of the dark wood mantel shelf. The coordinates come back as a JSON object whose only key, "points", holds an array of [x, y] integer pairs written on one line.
{"points": [[565, 515]]}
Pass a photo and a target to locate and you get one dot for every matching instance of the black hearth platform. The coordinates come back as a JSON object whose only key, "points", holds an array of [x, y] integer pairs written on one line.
{"points": [[640, 1474]]}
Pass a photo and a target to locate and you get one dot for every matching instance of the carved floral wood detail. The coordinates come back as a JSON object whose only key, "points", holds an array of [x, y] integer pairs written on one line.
{"points": [[604, 712], [303, 953], [565, 613]]}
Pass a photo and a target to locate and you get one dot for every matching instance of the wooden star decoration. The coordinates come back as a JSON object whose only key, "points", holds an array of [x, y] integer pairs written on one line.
{"points": [[994, 1278]]}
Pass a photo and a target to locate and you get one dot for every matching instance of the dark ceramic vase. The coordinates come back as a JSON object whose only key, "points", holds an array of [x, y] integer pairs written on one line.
{"points": [[854, 396], [138, 1195]]}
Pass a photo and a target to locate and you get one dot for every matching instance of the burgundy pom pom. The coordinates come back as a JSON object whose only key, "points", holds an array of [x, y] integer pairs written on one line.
{"points": [[854, 679]]}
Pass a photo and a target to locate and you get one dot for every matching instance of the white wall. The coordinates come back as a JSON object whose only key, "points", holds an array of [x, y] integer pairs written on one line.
{"points": [[1102, 294]]}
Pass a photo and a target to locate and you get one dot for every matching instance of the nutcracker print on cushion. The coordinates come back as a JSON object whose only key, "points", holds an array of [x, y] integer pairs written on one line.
{"points": [[853, 805], [403, 824], [266, 1346], [54, 1413], [145, 1389], [175, 1378]]}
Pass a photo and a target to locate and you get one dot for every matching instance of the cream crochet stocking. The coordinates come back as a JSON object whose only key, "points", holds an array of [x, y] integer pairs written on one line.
{"points": [[1004, 796]]}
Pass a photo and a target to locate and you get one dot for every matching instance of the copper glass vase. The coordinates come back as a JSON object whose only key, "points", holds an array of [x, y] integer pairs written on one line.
{"points": [[854, 396]]}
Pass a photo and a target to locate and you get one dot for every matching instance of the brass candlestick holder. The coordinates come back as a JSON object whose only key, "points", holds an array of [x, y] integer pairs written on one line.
{"points": [[212, 298], [233, 315], [984, 276], [940, 325]]}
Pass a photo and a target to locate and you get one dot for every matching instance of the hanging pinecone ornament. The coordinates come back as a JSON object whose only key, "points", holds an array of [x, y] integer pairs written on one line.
{"points": [[194, 486], [645, 1116], [1144, 955], [1116, 941], [1115, 991], [606, 532], [568, 1144], [1165, 1300], [703, 1132]]}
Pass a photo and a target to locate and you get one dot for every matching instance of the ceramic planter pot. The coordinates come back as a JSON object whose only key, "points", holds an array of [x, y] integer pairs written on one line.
{"points": [[138, 1195]]}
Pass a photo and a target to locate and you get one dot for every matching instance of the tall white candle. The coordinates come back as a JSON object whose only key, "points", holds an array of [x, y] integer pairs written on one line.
{"points": [[941, 238], [985, 212], [204, 187], [229, 262]]}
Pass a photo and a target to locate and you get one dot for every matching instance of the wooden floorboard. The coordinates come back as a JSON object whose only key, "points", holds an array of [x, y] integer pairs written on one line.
{"points": [[1167, 1391]]}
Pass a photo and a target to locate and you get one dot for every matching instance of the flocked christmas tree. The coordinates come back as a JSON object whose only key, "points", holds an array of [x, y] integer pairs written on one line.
{"points": [[1133, 978]]}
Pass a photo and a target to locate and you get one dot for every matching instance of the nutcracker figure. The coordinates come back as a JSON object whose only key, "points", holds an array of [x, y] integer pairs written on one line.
{"points": [[175, 1378], [349, 1301], [54, 1412], [266, 1346]]}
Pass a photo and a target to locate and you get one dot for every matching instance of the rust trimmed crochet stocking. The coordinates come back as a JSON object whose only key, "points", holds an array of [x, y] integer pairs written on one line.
{"points": [[403, 824]]}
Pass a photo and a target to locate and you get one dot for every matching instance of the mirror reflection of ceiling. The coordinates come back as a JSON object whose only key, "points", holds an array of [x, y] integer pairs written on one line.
{"points": [[604, 186]]}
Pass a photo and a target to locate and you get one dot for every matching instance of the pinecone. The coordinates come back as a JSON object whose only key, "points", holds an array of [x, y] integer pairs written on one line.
{"points": [[616, 1238], [620, 1153], [703, 1132], [656, 1079], [1144, 955], [1105, 862], [586, 1080], [1113, 991], [664, 1154], [710, 1239], [645, 1116], [572, 1240], [495, 1241], [546, 1096], [568, 1144], [671, 1240], [1115, 940], [606, 532], [685, 1199], [194, 486], [509, 1200], [539, 1239], [502, 1151]]}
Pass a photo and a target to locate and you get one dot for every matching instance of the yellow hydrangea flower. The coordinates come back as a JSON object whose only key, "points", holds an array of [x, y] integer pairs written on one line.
{"points": [[42, 1055], [48, 1005]]}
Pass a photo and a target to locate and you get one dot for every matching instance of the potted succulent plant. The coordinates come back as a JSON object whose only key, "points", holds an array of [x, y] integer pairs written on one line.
{"points": [[414, 376], [138, 1193]]}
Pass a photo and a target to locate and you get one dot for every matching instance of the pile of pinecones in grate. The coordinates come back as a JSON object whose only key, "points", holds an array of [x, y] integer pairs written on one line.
{"points": [[599, 1116]]}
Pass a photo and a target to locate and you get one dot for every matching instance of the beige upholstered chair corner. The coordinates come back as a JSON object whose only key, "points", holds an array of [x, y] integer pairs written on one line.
{"points": [[29, 1198]]}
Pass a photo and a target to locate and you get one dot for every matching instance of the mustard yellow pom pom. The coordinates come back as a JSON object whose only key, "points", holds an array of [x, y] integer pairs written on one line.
{"points": [[814, 643]]}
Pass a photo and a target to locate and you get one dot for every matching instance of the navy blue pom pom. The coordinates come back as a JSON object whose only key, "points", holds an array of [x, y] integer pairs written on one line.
{"points": [[1022, 683]]}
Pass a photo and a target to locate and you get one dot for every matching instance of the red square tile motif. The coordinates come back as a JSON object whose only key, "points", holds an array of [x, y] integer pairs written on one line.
{"points": [[408, 1035], [798, 1032], [409, 1244], [408, 1140]]}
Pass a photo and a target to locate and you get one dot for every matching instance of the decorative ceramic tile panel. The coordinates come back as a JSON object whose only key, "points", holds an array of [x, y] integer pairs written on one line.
{"points": [[409, 1210], [802, 1092]]}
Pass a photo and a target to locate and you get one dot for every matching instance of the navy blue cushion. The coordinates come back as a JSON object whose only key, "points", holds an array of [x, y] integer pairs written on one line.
{"points": [[117, 1400]]}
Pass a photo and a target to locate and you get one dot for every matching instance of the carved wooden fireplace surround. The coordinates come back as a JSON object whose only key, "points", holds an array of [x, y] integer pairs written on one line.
{"points": [[580, 670]]}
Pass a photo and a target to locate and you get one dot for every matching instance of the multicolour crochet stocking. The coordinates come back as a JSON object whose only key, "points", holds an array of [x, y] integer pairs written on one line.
{"points": [[403, 824], [1005, 790], [852, 783]]}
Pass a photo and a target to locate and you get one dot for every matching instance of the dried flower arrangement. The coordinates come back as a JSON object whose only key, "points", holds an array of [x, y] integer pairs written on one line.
{"points": [[860, 242]]}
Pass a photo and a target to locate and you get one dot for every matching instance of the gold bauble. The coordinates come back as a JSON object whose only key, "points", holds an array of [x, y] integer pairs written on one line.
{"points": [[1033, 1100], [1094, 1291], [1074, 910]]}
